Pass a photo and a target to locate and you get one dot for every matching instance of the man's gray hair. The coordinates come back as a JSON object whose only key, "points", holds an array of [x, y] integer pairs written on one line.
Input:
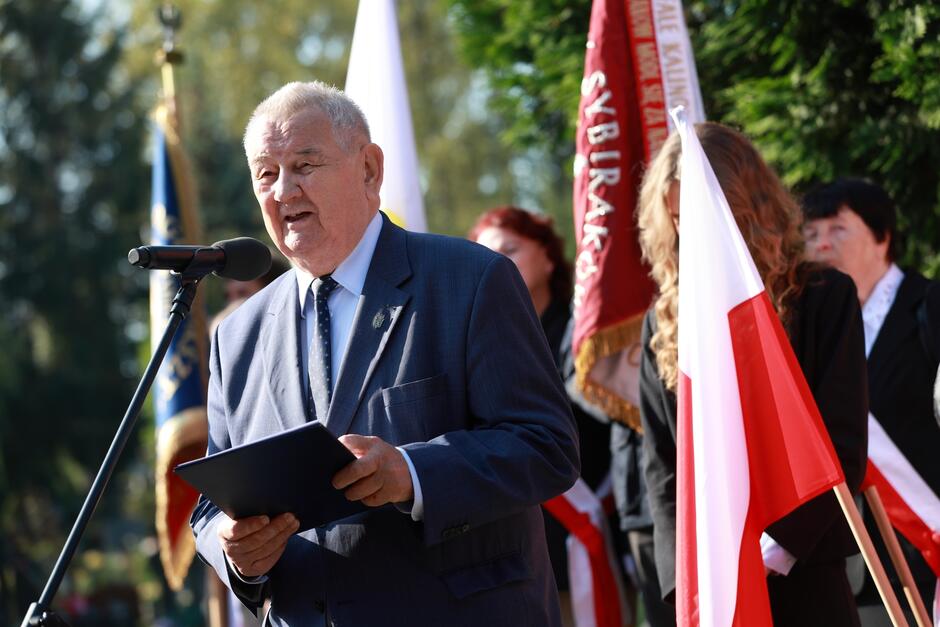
{"points": [[346, 118]]}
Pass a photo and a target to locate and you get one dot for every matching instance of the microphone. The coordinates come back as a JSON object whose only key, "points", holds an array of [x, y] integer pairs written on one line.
{"points": [[242, 258]]}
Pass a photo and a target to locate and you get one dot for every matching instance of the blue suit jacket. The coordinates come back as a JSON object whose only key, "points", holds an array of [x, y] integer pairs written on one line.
{"points": [[457, 371]]}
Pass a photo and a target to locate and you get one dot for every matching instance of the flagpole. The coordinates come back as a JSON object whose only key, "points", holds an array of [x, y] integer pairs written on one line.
{"points": [[875, 567], [168, 56], [897, 557]]}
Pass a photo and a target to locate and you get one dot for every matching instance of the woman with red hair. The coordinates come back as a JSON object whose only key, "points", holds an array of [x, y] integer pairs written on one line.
{"points": [[530, 241]]}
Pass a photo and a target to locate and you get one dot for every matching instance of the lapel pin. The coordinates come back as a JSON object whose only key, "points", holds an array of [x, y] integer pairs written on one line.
{"points": [[379, 319]]}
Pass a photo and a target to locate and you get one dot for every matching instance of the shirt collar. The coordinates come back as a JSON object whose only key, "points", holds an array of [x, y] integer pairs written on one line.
{"points": [[351, 272], [882, 295], [876, 308]]}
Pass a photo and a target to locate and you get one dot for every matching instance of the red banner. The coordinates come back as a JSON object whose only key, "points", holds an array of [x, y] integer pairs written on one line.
{"points": [[612, 286], [638, 64]]}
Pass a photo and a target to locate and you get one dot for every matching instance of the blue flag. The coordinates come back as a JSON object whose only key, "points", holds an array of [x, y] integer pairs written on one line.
{"points": [[179, 391]]}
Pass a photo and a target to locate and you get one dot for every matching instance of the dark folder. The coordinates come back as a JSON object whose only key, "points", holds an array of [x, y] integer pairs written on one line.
{"points": [[287, 472]]}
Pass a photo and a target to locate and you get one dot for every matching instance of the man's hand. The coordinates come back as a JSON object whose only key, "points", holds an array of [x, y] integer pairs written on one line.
{"points": [[253, 545], [378, 476]]}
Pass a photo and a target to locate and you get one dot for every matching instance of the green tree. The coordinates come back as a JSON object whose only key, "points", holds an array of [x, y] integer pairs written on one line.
{"points": [[830, 89], [824, 88], [238, 52], [235, 54], [533, 55], [72, 194]]}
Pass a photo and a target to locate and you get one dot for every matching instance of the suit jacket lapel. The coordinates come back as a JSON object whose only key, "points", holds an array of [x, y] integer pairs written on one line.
{"points": [[377, 313], [280, 347], [900, 322]]}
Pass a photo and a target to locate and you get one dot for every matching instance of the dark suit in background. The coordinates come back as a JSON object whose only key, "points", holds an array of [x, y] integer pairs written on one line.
{"points": [[901, 369], [827, 337], [593, 434], [593, 427], [446, 359], [636, 521]]}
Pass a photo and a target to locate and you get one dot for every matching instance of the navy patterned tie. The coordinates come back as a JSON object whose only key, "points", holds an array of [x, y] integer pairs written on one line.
{"points": [[318, 366]]}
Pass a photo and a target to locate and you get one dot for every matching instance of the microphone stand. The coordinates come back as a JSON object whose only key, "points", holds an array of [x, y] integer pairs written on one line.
{"points": [[39, 614]]}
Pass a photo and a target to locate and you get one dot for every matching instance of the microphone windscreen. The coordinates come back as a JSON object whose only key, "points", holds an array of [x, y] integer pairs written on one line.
{"points": [[246, 259], [139, 256]]}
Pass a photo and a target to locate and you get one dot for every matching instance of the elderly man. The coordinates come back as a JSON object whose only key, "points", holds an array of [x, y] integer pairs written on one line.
{"points": [[424, 355], [850, 224]]}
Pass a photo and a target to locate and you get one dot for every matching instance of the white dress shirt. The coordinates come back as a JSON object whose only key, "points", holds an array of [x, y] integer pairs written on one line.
{"points": [[774, 556], [876, 308], [351, 276]]}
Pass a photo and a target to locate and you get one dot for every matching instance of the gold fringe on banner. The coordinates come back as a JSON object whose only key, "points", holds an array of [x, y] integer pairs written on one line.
{"points": [[605, 343]]}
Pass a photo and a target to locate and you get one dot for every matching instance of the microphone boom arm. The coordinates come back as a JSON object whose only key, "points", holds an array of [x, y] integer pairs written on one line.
{"points": [[38, 613]]}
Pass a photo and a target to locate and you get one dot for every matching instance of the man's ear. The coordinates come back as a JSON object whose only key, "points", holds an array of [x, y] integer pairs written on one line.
{"points": [[373, 169], [889, 240]]}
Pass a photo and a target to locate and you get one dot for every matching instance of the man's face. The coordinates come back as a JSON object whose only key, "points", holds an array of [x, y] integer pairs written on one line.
{"points": [[316, 198], [845, 242]]}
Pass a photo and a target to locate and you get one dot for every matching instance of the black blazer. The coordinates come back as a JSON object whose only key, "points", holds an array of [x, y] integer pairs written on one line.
{"points": [[826, 335], [901, 370]]}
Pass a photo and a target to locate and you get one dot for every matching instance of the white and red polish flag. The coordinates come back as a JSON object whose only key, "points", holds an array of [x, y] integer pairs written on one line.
{"points": [[912, 507], [751, 444]]}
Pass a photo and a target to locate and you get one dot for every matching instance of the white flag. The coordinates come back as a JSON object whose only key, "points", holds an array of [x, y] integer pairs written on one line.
{"points": [[375, 80], [751, 445]]}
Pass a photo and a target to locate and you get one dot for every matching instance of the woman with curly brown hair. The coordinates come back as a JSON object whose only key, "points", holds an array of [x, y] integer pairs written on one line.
{"points": [[804, 553]]}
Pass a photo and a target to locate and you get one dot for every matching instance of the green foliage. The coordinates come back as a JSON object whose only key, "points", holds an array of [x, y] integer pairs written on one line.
{"points": [[533, 54], [833, 89], [825, 89], [238, 52]]}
